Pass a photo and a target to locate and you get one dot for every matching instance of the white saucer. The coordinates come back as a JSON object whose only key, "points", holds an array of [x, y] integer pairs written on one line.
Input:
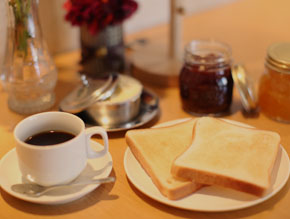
{"points": [[96, 168]]}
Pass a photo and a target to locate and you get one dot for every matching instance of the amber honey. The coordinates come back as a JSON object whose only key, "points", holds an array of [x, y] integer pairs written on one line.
{"points": [[274, 88]]}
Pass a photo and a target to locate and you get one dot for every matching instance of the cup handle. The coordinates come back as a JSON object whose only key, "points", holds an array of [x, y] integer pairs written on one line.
{"points": [[89, 132]]}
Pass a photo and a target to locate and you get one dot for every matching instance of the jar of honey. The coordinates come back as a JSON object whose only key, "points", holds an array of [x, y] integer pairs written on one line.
{"points": [[274, 86], [205, 80]]}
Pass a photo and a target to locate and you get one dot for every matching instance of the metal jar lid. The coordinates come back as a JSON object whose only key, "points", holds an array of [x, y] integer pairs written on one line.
{"points": [[89, 92], [278, 57], [245, 87]]}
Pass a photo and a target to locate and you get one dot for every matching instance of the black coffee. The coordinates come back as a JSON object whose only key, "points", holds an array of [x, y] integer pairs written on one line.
{"points": [[49, 138]]}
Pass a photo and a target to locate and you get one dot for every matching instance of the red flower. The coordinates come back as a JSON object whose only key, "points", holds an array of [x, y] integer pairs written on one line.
{"points": [[97, 14]]}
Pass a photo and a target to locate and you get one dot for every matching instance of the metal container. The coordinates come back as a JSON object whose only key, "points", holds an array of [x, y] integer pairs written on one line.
{"points": [[122, 106], [109, 102], [149, 108]]}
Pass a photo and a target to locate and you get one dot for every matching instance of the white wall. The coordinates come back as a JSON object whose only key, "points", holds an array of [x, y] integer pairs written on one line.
{"points": [[153, 12], [61, 36]]}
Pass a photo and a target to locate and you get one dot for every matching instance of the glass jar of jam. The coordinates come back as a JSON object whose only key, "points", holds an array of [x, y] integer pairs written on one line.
{"points": [[274, 86], [205, 80]]}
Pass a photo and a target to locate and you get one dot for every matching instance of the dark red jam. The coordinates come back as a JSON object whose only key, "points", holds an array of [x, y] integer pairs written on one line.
{"points": [[206, 85]]}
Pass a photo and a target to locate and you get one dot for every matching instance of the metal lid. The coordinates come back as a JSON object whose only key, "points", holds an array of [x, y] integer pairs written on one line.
{"points": [[278, 57], [88, 93], [245, 88]]}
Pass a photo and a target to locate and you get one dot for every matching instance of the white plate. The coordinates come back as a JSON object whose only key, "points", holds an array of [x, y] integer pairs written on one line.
{"points": [[96, 168], [211, 198]]}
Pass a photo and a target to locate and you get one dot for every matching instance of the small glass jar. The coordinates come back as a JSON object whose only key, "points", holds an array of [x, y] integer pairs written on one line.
{"points": [[205, 80], [274, 86]]}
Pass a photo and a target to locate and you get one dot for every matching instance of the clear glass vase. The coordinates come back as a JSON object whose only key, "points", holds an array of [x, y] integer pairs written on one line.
{"points": [[29, 74]]}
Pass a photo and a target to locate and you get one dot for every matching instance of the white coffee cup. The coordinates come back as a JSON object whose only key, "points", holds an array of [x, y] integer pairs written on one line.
{"points": [[57, 163]]}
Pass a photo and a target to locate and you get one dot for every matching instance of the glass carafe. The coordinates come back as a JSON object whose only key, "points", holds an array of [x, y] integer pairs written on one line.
{"points": [[29, 74]]}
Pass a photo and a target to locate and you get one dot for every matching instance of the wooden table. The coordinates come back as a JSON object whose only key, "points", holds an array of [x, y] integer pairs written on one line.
{"points": [[249, 26]]}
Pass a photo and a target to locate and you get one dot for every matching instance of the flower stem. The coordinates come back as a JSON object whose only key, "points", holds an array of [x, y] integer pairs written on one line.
{"points": [[21, 12]]}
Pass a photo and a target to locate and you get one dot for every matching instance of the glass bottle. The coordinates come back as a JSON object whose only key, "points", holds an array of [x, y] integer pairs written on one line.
{"points": [[274, 86], [205, 80], [29, 74]]}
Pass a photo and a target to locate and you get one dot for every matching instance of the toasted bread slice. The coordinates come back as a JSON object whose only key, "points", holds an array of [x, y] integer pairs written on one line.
{"points": [[156, 148], [229, 155]]}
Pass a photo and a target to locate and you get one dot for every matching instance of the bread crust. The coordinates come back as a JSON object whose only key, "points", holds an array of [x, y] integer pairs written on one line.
{"points": [[175, 193], [210, 178]]}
